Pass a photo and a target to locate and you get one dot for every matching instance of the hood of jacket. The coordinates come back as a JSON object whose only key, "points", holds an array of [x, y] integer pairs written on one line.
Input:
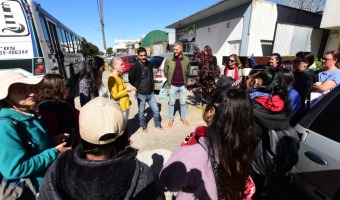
{"points": [[273, 104], [75, 177]]}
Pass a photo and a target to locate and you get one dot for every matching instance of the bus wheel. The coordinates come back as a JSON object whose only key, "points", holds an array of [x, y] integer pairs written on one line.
{"points": [[125, 77]]}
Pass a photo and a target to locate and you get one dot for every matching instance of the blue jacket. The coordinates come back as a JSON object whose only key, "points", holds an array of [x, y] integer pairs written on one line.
{"points": [[295, 99], [26, 149]]}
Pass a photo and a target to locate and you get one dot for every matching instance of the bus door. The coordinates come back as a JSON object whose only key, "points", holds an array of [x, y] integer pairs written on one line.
{"points": [[57, 54]]}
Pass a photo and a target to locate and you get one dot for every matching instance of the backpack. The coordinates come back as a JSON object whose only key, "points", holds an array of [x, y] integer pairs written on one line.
{"points": [[276, 152], [16, 189]]}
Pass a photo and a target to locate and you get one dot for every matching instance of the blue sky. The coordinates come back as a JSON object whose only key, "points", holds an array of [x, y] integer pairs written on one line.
{"points": [[123, 19]]}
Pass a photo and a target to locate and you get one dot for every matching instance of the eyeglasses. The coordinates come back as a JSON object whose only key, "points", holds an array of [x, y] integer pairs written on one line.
{"points": [[231, 61], [203, 102], [297, 60], [326, 59]]}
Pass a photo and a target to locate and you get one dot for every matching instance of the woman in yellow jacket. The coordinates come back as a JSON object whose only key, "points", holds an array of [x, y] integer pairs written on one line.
{"points": [[118, 90]]}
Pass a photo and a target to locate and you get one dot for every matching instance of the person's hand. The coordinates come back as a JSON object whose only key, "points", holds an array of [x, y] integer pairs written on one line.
{"points": [[317, 83], [62, 147], [251, 55], [60, 138], [130, 88]]}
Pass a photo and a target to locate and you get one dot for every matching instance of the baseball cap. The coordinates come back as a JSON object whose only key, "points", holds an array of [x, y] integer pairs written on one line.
{"points": [[10, 77], [99, 117]]}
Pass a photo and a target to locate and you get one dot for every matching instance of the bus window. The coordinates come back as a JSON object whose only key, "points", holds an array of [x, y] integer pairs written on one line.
{"points": [[69, 41], [74, 40], [80, 47], [45, 31], [63, 41]]}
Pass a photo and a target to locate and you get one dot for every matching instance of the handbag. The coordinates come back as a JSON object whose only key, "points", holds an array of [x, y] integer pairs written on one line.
{"points": [[16, 189], [163, 94]]}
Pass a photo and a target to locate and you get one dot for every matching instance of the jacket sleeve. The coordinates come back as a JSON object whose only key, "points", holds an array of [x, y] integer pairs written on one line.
{"points": [[132, 75], [239, 80], [188, 67], [16, 161], [114, 89], [252, 62], [166, 69]]}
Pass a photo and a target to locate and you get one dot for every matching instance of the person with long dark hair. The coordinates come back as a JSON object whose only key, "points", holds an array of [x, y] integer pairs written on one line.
{"points": [[91, 83], [304, 77], [208, 53], [271, 107], [60, 117], [218, 167]]}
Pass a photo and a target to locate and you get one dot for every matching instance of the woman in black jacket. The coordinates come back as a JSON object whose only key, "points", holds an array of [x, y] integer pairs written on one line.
{"points": [[271, 108]]}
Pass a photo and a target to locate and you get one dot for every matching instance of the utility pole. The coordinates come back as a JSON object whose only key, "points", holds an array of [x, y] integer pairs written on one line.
{"points": [[100, 10]]}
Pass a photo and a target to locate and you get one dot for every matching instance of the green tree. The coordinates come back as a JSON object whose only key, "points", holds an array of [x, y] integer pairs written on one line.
{"points": [[109, 50], [90, 49]]}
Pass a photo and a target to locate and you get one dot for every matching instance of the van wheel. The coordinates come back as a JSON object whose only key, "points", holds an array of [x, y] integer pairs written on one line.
{"points": [[125, 77]]}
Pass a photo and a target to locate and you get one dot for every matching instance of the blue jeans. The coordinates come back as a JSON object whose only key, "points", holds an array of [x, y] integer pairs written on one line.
{"points": [[151, 99], [182, 91]]}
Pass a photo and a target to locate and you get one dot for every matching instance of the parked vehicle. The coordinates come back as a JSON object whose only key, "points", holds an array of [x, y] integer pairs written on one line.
{"points": [[35, 43], [317, 172], [109, 57], [129, 61], [159, 78]]}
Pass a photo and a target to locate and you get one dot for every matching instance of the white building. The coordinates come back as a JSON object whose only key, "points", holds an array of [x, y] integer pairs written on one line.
{"points": [[331, 21], [121, 46], [244, 27]]}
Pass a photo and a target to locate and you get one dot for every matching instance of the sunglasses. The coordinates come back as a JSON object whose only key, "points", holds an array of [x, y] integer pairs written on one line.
{"points": [[231, 61]]}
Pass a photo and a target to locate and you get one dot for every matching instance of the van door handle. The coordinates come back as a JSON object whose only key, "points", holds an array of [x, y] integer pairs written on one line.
{"points": [[315, 158]]}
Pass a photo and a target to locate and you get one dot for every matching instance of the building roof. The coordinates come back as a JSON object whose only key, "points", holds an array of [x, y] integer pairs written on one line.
{"points": [[153, 37], [210, 11]]}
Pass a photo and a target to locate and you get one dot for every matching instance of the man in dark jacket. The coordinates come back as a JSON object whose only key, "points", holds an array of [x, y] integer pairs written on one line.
{"points": [[104, 166], [141, 77]]}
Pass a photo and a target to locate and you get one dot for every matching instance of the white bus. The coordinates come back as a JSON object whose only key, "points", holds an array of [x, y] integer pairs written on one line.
{"points": [[36, 43]]}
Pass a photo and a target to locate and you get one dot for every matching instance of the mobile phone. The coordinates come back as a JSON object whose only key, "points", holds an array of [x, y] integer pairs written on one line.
{"points": [[70, 139]]}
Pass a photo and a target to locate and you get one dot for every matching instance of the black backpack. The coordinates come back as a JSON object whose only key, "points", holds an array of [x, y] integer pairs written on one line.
{"points": [[276, 152]]}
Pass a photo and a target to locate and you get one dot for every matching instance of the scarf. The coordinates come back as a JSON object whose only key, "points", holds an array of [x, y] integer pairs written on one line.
{"points": [[235, 74]]}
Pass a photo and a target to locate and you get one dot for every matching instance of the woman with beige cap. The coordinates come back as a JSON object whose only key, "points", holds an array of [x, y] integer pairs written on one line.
{"points": [[26, 149]]}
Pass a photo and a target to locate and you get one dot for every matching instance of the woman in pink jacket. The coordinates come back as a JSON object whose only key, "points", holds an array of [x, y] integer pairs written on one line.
{"points": [[219, 164]]}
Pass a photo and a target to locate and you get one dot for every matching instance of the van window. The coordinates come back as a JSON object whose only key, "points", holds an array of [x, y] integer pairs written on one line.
{"points": [[327, 122]]}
